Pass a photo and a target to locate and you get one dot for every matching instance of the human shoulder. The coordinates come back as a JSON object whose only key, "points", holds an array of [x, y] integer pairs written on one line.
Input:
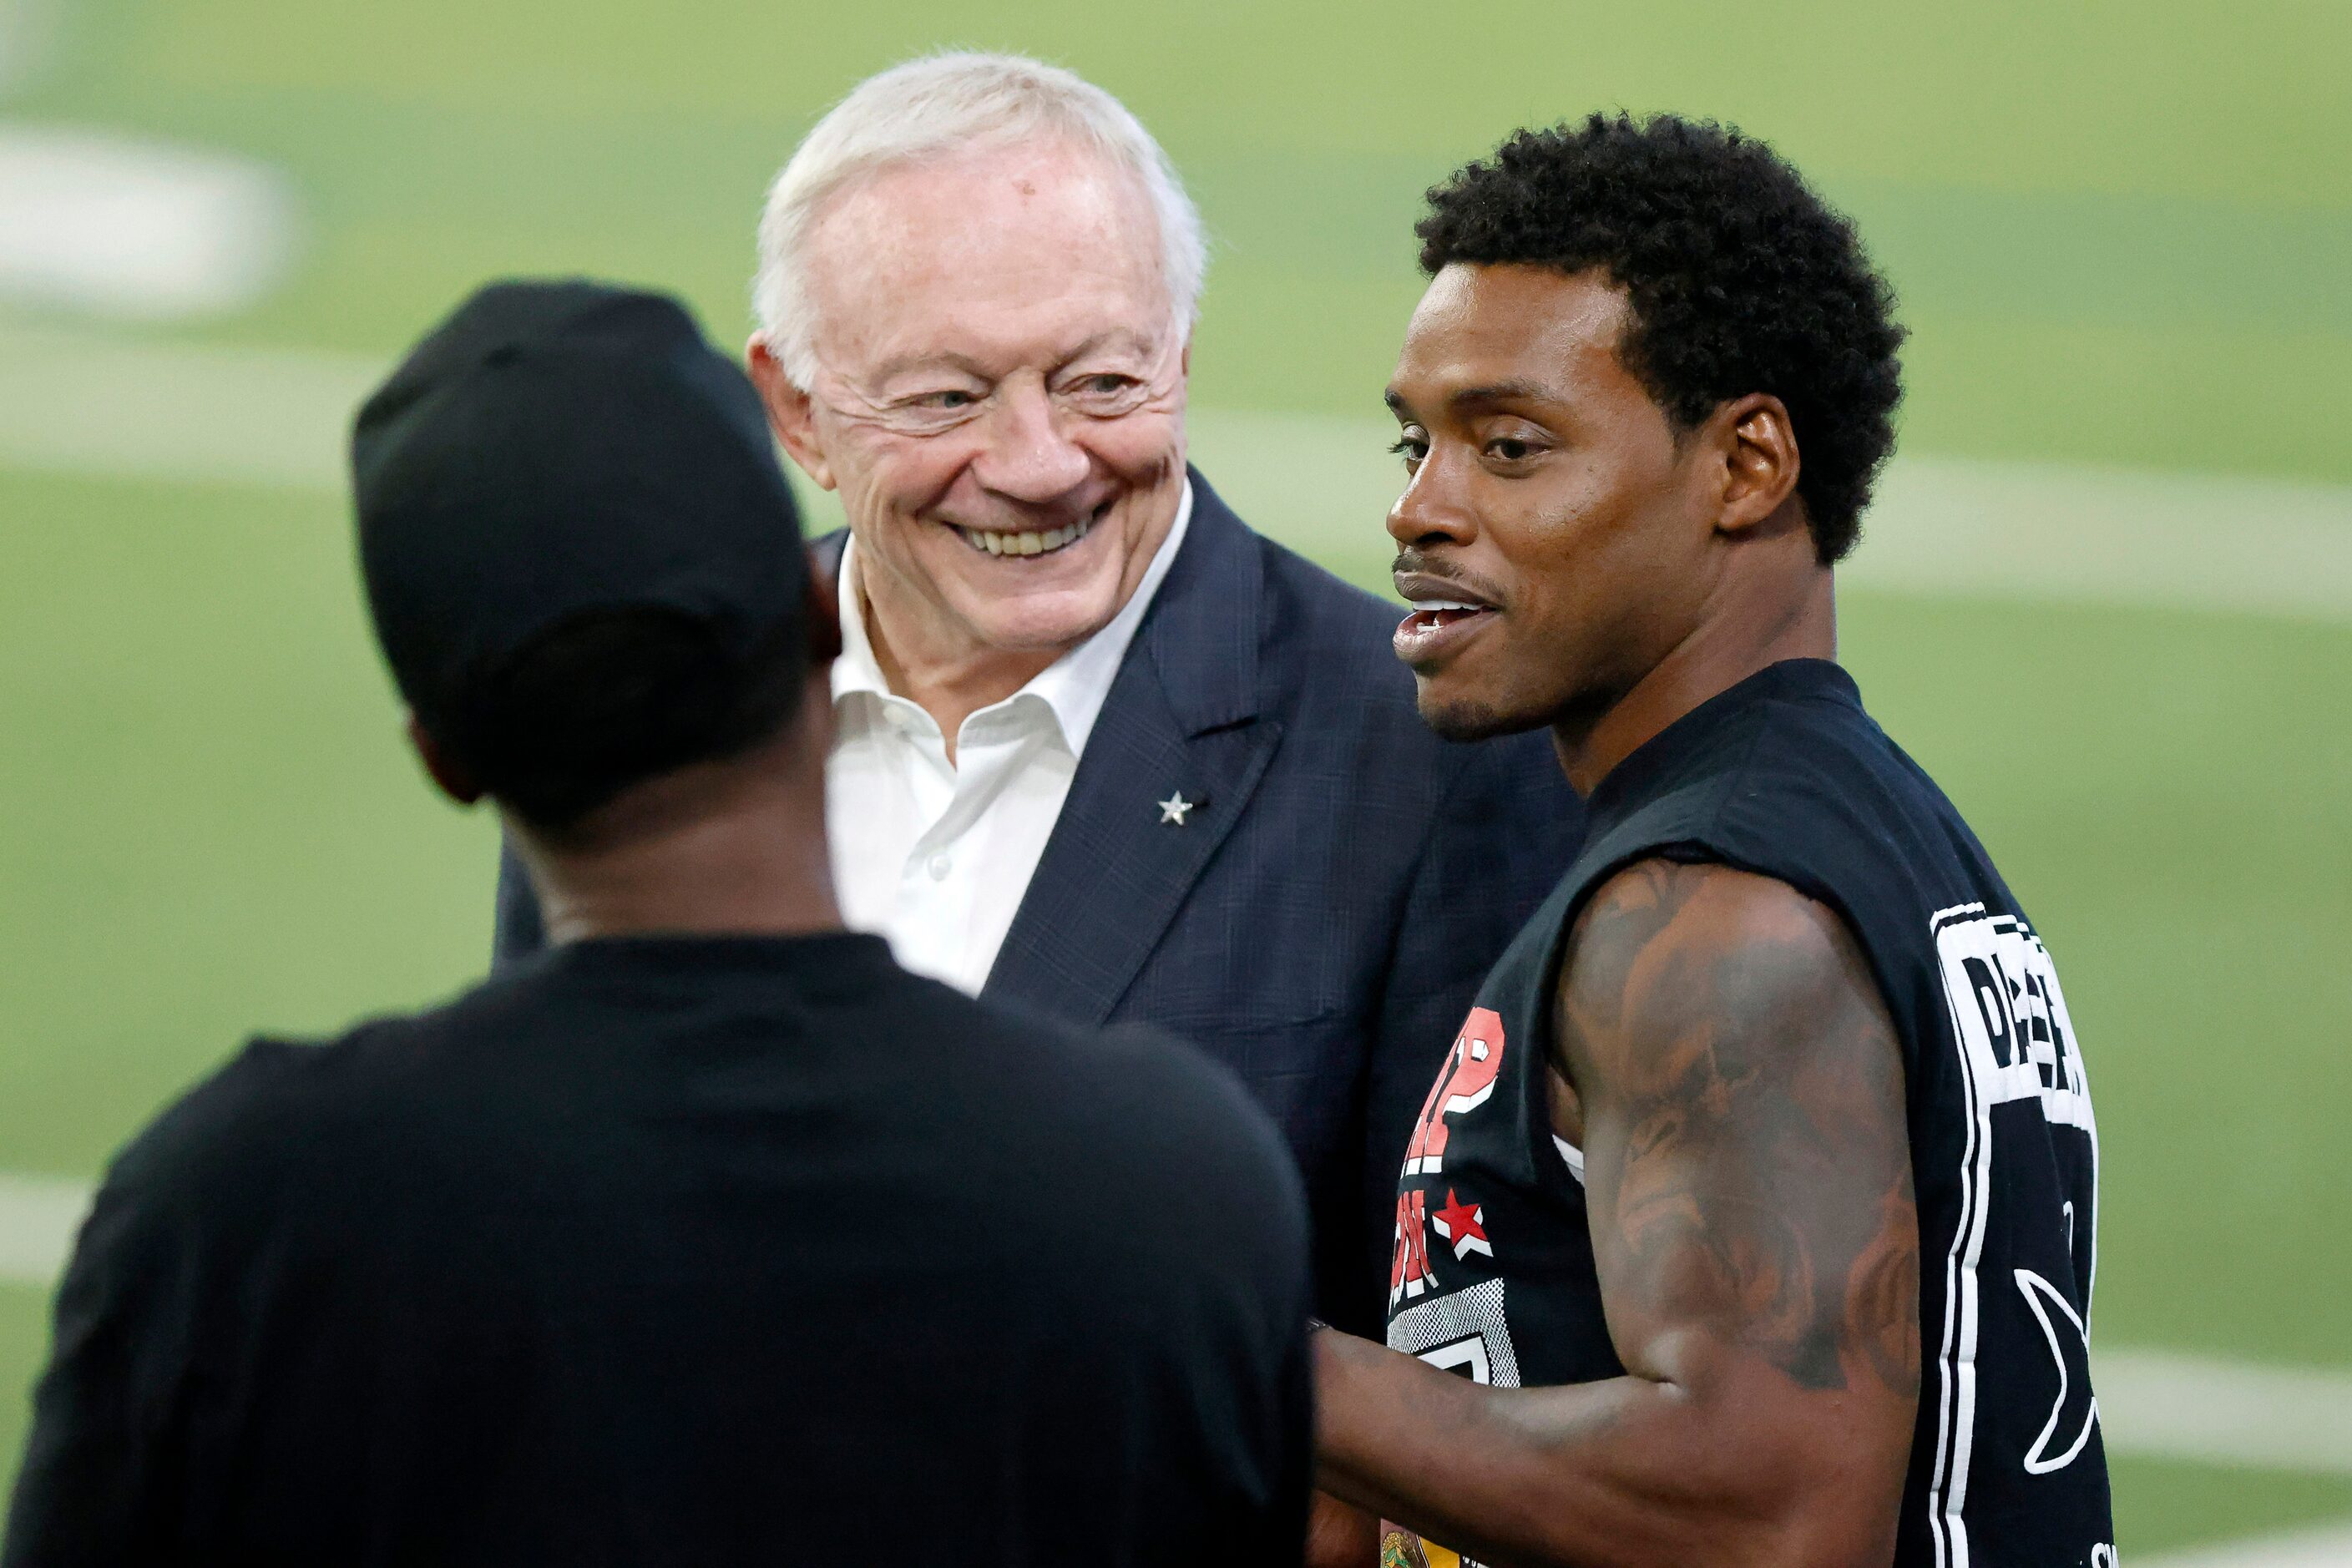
{"points": [[1794, 734], [1689, 951], [214, 1159], [1738, 1091]]}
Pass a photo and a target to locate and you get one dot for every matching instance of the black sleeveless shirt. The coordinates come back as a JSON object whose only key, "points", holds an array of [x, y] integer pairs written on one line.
{"points": [[1785, 775]]}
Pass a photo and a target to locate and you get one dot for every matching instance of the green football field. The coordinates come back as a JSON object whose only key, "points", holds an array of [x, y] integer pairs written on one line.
{"points": [[2123, 236]]}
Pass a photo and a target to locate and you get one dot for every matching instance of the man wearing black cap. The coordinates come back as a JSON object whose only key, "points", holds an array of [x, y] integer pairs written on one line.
{"points": [[708, 1234]]}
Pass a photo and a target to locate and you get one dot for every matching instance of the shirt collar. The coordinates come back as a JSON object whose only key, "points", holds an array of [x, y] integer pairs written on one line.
{"points": [[1074, 687]]}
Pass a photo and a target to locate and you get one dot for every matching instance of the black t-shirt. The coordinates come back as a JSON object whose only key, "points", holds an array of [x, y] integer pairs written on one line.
{"points": [[687, 1251], [1787, 777]]}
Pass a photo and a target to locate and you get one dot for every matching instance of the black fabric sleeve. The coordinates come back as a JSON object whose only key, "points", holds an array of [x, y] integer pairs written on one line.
{"points": [[103, 1465], [1507, 827], [112, 1469], [519, 931]]}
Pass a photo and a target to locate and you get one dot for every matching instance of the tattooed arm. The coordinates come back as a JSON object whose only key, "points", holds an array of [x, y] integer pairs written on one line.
{"points": [[1724, 1058]]}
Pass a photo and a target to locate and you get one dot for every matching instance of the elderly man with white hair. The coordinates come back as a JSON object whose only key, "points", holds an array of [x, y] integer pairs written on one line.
{"points": [[1099, 748]]}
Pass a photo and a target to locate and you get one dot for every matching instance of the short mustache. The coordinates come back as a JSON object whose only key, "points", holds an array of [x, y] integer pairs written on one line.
{"points": [[1410, 560]]}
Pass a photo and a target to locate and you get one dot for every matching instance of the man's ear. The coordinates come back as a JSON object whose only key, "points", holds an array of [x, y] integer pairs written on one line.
{"points": [[790, 415], [1760, 463], [453, 780]]}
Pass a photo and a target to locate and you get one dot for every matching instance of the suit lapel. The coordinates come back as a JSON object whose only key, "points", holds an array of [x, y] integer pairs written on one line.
{"points": [[1180, 719]]}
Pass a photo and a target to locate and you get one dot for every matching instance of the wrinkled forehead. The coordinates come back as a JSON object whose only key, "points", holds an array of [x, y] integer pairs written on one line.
{"points": [[1009, 256]]}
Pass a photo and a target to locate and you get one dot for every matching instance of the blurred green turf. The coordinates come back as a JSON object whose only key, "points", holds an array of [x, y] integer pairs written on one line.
{"points": [[24, 1345], [214, 825], [2121, 234], [2163, 1504], [2120, 231]]}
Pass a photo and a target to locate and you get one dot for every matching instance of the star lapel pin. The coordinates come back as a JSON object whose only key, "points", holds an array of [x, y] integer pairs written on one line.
{"points": [[1175, 808]]}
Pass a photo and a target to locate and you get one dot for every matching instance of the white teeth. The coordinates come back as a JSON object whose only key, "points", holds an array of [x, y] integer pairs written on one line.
{"points": [[1434, 604], [1031, 543]]}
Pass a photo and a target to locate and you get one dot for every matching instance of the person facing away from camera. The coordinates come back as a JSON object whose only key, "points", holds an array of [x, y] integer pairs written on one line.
{"points": [[707, 1234]]}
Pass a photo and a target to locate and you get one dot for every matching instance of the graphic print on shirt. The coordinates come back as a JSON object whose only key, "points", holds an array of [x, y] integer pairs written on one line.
{"points": [[1465, 1331], [1464, 1227], [1464, 1082], [2018, 1059], [1463, 1328], [1409, 1272]]}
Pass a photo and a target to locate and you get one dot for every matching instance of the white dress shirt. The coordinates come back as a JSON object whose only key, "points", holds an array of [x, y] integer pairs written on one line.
{"points": [[935, 855]]}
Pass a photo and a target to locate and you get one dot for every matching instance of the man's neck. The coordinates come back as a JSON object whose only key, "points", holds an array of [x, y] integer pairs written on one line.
{"points": [[732, 848], [950, 684], [1725, 649]]}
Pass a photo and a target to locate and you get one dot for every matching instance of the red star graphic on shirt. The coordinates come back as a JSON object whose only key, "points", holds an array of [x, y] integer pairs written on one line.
{"points": [[1463, 1225]]}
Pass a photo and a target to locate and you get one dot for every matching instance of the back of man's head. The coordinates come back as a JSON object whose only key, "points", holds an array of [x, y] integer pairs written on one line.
{"points": [[581, 557]]}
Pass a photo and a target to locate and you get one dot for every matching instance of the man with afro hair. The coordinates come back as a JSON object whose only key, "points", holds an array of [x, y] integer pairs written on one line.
{"points": [[1752, 1216]]}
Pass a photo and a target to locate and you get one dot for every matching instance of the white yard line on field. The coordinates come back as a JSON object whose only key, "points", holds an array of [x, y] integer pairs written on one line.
{"points": [[118, 406], [39, 1218], [110, 406], [129, 228], [2225, 1411], [2328, 1548]]}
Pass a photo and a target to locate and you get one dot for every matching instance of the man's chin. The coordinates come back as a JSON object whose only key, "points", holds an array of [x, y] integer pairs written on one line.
{"points": [[1044, 621], [1458, 716]]}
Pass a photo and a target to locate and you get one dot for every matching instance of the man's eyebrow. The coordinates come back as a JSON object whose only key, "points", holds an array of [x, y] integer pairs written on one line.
{"points": [[1478, 397], [1118, 338], [1125, 339], [903, 364], [1500, 392]]}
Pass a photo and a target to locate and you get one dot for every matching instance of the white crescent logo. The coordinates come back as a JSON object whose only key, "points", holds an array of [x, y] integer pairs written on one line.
{"points": [[2036, 1290]]}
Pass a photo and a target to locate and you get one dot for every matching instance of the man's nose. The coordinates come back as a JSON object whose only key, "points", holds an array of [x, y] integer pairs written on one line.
{"points": [[1029, 457], [1433, 508]]}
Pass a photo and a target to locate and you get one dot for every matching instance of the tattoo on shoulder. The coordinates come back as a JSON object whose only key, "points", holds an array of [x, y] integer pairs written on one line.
{"points": [[1748, 1155]]}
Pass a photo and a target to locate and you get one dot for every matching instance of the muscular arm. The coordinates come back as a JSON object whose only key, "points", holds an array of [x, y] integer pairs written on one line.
{"points": [[1739, 1087]]}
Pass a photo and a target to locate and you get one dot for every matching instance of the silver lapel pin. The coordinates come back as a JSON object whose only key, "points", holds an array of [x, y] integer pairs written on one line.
{"points": [[1174, 808]]}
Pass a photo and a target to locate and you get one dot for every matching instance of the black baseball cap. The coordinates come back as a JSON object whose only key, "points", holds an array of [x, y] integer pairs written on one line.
{"points": [[560, 448]]}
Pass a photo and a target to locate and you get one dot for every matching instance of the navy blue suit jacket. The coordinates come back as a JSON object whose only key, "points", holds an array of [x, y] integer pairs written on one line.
{"points": [[1322, 919]]}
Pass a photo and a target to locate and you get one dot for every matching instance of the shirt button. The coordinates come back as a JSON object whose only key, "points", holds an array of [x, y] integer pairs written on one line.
{"points": [[939, 866]]}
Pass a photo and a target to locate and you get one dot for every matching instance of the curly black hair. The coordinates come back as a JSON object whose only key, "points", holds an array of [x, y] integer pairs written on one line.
{"points": [[1740, 279]]}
